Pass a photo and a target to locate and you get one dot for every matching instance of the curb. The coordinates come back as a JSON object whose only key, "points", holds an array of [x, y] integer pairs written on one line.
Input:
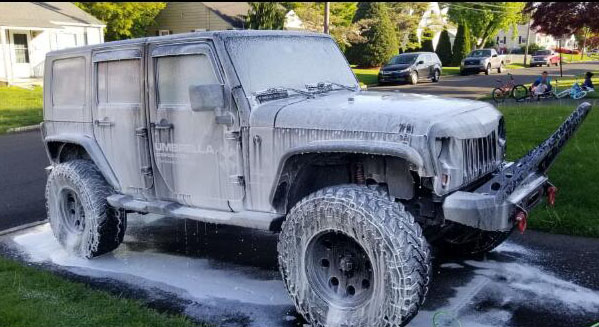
{"points": [[18, 228], [23, 129]]}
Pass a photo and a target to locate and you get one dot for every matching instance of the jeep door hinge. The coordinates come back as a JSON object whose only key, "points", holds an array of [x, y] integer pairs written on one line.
{"points": [[233, 136], [237, 179], [141, 132], [147, 171]]}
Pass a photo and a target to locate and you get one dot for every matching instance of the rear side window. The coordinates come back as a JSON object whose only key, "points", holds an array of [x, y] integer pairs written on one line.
{"points": [[68, 82], [175, 74], [119, 82], [428, 59]]}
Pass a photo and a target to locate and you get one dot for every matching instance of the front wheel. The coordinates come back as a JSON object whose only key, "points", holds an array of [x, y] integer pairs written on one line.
{"points": [[80, 217], [352, 256], [519, 92]]}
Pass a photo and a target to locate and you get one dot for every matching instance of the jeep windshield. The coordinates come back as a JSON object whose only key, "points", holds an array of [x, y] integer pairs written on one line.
{"points": [[480, 53], [268, 63], [404, 59]]}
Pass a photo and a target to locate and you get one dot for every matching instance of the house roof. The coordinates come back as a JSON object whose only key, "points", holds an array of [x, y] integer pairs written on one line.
{"points": [[43, 14], [233, 12]]}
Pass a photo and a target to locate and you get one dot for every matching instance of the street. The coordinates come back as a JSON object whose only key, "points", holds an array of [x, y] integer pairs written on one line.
{"points": [[476, 85], [228, 276]]}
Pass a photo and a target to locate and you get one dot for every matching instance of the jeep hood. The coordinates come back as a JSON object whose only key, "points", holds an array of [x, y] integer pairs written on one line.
{"points": [[372, 111]]}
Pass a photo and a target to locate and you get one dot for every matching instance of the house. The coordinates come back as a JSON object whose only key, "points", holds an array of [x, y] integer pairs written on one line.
{"points": [[435, 18], [29, 30], [184, 17], [508, 41]]}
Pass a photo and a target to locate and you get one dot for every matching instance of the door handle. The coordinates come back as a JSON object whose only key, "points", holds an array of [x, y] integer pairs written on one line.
{"points": [[163, 125], [103, 123]]}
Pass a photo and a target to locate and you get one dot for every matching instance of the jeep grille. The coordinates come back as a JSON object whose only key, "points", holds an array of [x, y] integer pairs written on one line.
{"points": [[480, 156]]}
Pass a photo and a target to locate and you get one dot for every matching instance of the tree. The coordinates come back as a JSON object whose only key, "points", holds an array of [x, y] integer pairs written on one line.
{"points": [[486, 19], [266, 16], [563, 18], [461, 44], [444, 48], [427, 40], [124, 20], [405, 17], [379, 42]]}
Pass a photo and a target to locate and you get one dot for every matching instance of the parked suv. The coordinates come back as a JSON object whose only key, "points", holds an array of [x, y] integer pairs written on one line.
{"points": [[483, 60], [411, 67], [359, 184], [544, 57]]}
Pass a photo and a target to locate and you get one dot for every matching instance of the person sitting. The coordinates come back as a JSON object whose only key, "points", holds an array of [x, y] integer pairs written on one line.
{"points": [[541, 85], [587, 85]]}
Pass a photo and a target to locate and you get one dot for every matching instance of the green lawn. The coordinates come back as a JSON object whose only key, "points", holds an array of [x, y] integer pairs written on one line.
{"points": [[20, 107], [369, 76], [576, 57], [575, 174], [31, 297]]}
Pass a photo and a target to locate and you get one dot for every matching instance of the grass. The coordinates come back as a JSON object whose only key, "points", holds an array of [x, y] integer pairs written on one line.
{"points": [[369, 76], [576, 57], [20, 107], [574, 172], [31, 297]]}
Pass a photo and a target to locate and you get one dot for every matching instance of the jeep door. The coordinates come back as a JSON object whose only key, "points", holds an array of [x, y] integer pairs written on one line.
{"points": [[187, 145], [120, 116]]}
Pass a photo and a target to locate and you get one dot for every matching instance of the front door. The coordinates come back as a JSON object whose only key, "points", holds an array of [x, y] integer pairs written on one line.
{"points": [[187, 145], [120, 116], [20, 51]]}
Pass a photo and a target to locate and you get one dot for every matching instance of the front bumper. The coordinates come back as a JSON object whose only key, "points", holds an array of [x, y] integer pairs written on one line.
{"points": [[479, 67], [394, 76], [515, 188]]}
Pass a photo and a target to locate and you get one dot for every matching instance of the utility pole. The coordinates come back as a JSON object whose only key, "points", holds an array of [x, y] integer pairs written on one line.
{"points": [[327, 8], [527, 42], [561, 73]]}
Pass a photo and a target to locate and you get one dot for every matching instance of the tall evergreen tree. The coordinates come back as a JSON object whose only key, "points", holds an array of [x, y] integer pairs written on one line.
{"points": [[380, 41], [427, 40], [444, 48], [265, 16], [461, 45]]}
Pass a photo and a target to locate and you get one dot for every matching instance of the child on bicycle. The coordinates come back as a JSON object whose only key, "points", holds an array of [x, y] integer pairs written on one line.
{"points": [[541, 85]]}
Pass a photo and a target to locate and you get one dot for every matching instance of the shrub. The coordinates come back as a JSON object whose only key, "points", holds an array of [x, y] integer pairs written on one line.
{"points": [[427, 41], [444, 48], [461, 45]]}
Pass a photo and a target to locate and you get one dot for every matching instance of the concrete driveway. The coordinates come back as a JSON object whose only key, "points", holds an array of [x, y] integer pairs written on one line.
{"points": [[476, 85], [228, 276]]}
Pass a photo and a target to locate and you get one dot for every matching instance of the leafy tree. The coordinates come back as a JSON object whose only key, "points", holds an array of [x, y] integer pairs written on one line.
{"points": [[123, 20], [532, 48], [444, 48], [563, 18], [486, 19], [427, 40], [461, 44], [379, 42], [405, 17], [266, 16], [413, 43]]}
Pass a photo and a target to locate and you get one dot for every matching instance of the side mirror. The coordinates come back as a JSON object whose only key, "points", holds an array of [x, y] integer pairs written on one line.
{"points": [[207, 97], [495, 55], [421, 62]]}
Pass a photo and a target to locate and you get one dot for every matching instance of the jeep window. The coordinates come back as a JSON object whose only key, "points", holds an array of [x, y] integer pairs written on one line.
{"points": [[290, 62], [68, 82], [175, 74], [480, 53], [119, 82], [404, 59]]}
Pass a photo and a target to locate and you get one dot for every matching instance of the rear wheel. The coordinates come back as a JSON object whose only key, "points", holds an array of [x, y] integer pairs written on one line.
{"points": [[352, 256], [500, 68], [436, 75], [488, 70], [79, 214]]}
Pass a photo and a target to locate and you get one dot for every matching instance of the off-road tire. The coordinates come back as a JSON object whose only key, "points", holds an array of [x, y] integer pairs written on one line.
{"points": [[476, 241], [387, 233], [78, 187], [413, 78]]}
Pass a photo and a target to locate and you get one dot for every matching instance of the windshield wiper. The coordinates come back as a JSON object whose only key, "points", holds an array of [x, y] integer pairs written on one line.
{"points": [[276, 93], [322, 87]]}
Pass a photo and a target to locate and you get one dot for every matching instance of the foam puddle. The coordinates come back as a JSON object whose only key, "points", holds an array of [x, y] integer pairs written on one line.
{"points": [[508, 285], [195, 276]]}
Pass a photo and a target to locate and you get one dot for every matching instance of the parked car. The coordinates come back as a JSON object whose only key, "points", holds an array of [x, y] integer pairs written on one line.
{"points": [[359, 184], [411, 67], [544, 57], [483, 60]]}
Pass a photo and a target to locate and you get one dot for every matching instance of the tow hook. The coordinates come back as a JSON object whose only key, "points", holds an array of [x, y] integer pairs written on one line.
{"points": [[521, 217], [551, 193]]}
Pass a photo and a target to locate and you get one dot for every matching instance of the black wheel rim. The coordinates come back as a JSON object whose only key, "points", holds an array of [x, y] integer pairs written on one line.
{"points": [[71, 211], [339, 270]]}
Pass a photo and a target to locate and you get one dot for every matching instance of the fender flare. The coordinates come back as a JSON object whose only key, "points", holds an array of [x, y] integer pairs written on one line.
{"points": [[93, 150], [391, 149]]}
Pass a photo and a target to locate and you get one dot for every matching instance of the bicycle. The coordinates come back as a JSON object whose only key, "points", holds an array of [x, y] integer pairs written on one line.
{"points": [[575, 92], [509, 89]]}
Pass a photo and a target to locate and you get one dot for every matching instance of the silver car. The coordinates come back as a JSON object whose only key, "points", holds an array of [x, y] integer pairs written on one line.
{"points": [[483, 60], [270, 130]]}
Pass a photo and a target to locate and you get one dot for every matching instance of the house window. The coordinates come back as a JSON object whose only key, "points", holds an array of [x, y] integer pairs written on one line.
{"points": [[504, 40], [21, 48], [164, 32], [519, 40]]}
